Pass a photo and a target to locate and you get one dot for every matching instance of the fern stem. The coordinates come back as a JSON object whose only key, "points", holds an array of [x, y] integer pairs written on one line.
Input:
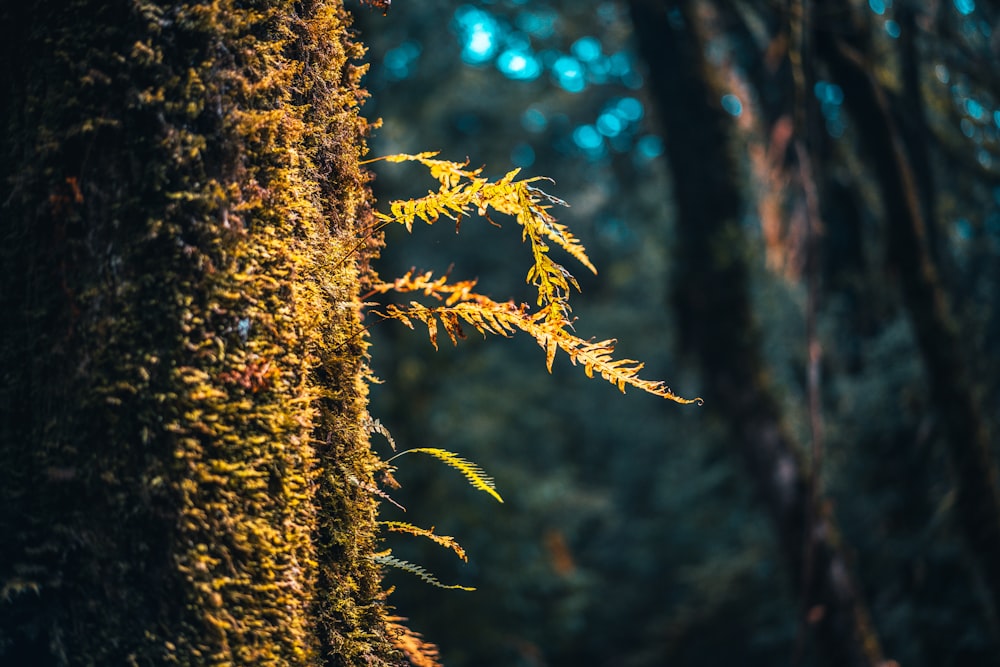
{"points": [[357, 246]]}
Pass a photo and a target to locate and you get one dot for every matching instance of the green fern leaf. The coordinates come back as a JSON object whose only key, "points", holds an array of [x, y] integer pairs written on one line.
{"points": [[392, 561]]}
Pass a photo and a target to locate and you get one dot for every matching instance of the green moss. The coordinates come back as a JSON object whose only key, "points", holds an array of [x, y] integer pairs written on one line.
{"points": [[181, 408]]}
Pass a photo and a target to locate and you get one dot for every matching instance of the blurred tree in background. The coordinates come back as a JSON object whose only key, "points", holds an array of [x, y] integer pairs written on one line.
{"points": [[795, 210]]}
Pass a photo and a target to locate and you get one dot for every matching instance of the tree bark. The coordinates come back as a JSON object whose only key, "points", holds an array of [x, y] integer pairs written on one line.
{"points": [[717, 325], [181, 405], [953, 387]]}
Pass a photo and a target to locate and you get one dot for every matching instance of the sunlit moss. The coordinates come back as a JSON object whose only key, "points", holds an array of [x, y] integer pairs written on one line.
{"points": [[177, 177]]}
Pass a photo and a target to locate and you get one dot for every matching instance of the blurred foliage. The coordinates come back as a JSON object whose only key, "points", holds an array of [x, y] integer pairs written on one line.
{"points": [[630, 533]]}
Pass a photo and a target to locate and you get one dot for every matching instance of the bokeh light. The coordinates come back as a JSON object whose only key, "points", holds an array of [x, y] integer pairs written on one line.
{"points": [[648, 147], [732, 104], [400, 62], [534, 120], [519, 65], [965, 7], [568, 73], [478, 34]]}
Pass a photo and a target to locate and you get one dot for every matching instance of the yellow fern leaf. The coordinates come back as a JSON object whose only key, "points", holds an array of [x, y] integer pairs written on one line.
{"points": [[550, 329], [444, 540], [419, 653], [425, 283], [473, 473], [596, 356], [460, 190]]}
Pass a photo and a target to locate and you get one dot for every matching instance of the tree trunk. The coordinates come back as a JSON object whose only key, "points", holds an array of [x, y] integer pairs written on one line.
{"points": [[953, 386], [713, 309], [182, 409]]}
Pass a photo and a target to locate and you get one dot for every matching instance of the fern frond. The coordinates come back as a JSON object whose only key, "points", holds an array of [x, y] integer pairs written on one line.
{"points": [[473, 473], [372, 489], [445, 541], [448, 173], [550, 330], [462, 189], [419, 653], [426, 284], [598, 356], [392, 561], [376, 426]]}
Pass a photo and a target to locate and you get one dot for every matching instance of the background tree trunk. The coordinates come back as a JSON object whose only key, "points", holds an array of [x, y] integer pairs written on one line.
{"points": [[181, 406], [717, 325], [900, 170]]}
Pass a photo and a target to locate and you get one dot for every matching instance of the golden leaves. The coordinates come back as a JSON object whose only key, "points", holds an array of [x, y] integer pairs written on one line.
{"points": [[550, 329], [418, 652], [462, 190], [446, 541], [473, 473]]}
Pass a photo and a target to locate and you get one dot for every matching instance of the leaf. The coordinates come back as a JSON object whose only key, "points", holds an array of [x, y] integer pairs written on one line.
{"points": [[392, 561], [419, 653], [374, 490], [460, 190], [376, 426], [444, 540], [551, 330], [473, 473]]}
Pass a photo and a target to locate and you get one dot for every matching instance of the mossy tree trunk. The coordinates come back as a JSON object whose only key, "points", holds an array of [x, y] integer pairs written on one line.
{"points": [[182, 405]]}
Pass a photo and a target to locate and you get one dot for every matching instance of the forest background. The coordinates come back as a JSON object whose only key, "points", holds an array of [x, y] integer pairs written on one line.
{"points": [[795, 212]]}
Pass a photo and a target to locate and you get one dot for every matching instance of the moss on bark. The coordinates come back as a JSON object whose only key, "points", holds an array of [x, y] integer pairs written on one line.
{"points": [[182, 400]]}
